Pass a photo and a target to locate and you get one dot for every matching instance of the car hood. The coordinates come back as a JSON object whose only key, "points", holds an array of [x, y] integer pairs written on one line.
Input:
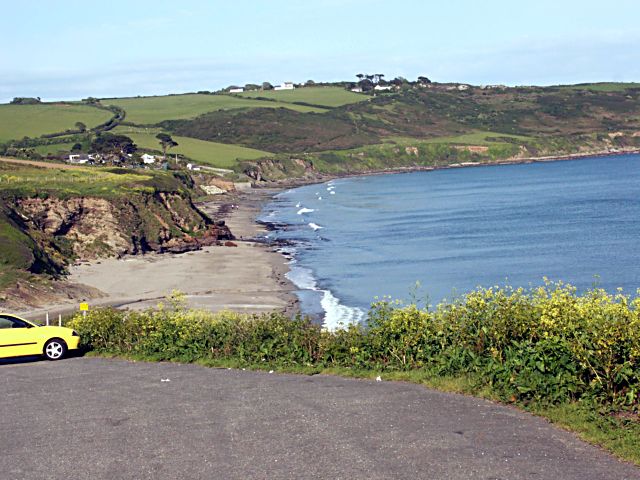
{"points": [[55, 330]]}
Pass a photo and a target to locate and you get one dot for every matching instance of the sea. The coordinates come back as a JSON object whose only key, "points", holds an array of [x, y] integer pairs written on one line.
{"points": [[431, 236]]}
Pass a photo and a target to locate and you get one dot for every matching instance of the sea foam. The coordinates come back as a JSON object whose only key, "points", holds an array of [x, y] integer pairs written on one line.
{"points": [[305, 210], [336, 315]]}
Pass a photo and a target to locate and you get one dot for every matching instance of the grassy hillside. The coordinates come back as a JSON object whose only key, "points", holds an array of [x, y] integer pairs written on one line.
{"points": [[326, 96], [522, 116], [341, 131], [204, 152], [472, 138], [54, 148], [604, 86], [17, 121], [278, 130], [152, 110], [29, 181]]}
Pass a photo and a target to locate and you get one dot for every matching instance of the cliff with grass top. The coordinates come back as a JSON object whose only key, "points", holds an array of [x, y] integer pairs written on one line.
{"points": [[52, 217]]}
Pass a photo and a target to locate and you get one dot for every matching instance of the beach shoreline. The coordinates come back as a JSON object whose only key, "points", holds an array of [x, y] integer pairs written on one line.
{"points": [[253, 273], [249, 276]]}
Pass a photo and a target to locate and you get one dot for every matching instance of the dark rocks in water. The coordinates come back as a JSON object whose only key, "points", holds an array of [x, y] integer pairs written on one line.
{"points": [[272, 226]]}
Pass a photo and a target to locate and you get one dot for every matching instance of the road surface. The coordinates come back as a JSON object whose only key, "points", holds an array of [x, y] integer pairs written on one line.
{"points": [[90, 418]]}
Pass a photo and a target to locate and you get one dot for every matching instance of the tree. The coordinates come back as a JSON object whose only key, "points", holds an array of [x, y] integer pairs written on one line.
{"points": [[309, 83], [25, 101], [366, 85], [267, 86], [360, 76], [251, 86], [77, 147], [166, 142], [81, 126], [423, 80], [108, 143], [399, 81]]}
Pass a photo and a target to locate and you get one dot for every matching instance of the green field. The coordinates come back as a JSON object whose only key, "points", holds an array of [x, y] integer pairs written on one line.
{"points": [[53, 149], [18, 121], [327, 96], [152, 110], [209, 153], [473, 138], [28, 181]]}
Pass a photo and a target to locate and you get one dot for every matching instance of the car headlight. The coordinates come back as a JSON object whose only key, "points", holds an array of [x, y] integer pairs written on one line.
{"points": [[75, 334]]}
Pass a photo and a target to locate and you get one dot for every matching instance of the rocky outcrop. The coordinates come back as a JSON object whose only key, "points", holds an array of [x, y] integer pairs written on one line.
{"points": [[86, 228], [90, 225], [269, 169]]}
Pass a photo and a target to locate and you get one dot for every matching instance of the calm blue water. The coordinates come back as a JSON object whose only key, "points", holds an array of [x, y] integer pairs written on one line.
{"points": [[453, 230]]}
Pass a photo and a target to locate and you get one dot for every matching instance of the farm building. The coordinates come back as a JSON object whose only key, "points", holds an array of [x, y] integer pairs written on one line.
{"points": [[236, 90], [79, 158], [285, 86], [148, 159]]}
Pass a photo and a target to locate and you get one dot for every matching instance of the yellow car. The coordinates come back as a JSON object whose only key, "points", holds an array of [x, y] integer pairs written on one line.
{"points": [[19, 337]]}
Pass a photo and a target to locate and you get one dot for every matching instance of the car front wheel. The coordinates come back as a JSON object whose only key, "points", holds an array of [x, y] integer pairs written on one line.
{"points": [[55, 349]]}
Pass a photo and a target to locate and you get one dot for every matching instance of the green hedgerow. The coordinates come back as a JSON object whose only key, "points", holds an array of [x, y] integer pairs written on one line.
{"points": [[546, 345]]}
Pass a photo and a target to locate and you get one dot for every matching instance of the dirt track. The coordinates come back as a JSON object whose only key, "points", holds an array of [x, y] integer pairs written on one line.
{"points": [[35, 163]]}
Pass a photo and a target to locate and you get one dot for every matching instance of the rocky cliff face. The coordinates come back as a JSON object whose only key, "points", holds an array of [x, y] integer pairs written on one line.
{"points": [[88, 228], [267, 169]]}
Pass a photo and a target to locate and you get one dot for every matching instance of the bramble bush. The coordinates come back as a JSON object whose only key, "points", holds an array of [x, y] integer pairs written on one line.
{"points": [[545, 345]]}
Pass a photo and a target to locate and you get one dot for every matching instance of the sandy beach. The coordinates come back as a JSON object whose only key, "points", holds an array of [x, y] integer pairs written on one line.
{"points": [[249, 277]]}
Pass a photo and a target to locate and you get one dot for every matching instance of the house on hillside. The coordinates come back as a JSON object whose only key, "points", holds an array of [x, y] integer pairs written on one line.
{"points": [[148, 159], [357, 89], [79, 158], [285, 86], [193, 167], [236, 90], [383, 88]]}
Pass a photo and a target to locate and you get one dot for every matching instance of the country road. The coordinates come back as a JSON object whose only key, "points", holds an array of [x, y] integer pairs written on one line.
{"points": [[90, 418]]}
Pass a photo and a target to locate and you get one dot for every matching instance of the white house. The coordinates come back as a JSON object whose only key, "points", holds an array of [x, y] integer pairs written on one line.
{"points": [[383, 88], [285, 86], [357, 89], [148, 159], [236, 90], [79, 158], [193, 167], [463, 87]]}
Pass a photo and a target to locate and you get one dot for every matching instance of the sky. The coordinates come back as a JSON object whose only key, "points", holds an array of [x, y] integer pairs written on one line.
{"points": [[70, 49]]}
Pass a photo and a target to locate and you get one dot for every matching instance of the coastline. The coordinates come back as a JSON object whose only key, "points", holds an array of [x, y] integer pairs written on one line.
{"points": [[248, 277], [321, 178]]}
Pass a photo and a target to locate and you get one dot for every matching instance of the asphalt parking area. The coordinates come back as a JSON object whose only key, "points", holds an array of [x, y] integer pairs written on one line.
{"points": [[90, 418]]}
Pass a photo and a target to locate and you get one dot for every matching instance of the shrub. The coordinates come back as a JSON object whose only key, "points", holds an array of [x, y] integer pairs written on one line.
{"points": [[546, 345]]}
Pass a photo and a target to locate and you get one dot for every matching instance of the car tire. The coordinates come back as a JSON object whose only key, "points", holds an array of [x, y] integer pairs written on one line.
{"points": [[55, 349]]}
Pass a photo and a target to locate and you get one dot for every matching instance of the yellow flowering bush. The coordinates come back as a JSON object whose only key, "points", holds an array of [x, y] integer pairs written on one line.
{"points": [[547, 344]]}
